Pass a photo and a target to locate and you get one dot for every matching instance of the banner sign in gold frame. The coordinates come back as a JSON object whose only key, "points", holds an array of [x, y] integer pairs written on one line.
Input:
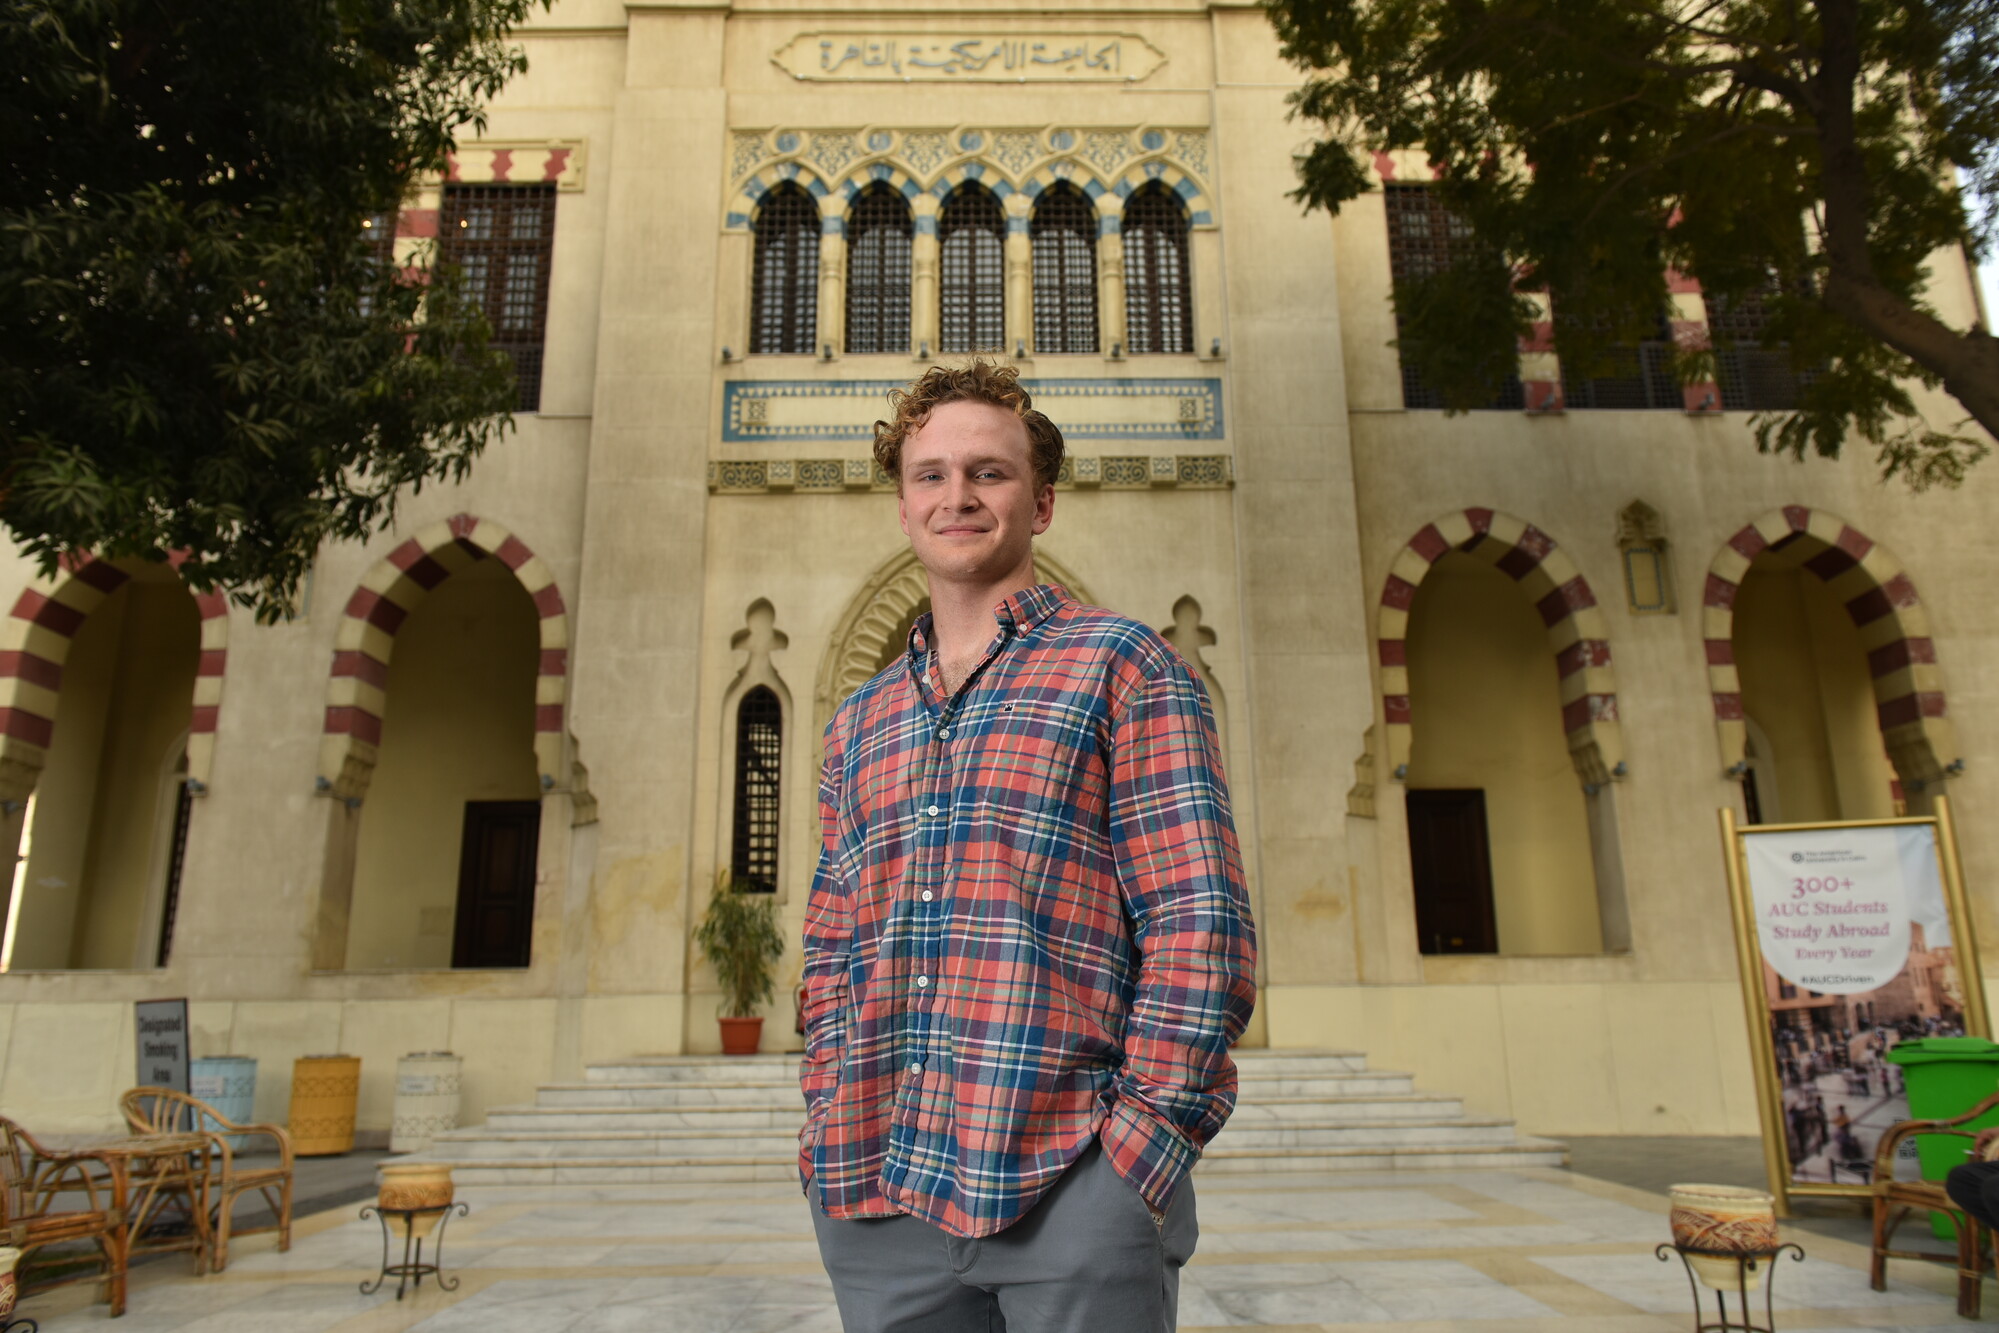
{"points": [[1851, 938]]}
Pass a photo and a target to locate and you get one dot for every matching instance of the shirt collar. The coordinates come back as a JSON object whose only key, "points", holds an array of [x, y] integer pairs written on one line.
{"points": [[1018, 613]]}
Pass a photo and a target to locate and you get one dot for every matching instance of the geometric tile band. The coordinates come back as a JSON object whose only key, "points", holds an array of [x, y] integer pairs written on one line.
{"points": [[1577, 631], [37, 639], [378, 610], [1085, 409], [1879, 598]]}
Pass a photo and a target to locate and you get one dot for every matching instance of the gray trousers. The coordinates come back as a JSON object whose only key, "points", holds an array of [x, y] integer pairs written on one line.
{"points": [[1087, 1258]]}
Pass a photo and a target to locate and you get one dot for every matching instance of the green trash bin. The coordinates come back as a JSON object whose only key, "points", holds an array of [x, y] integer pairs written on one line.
{"points": [[1947, 1076]]}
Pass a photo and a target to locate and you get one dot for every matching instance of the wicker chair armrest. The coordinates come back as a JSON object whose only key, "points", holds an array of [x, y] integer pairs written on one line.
{"points": [[57, 1172], [278, 1134], [1884, 1153]]}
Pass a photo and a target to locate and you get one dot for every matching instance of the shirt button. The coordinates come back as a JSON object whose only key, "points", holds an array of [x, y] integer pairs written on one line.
{"points": [[933, 810], [927, 895], [922, 982], [943, 733], [915, 1066]]}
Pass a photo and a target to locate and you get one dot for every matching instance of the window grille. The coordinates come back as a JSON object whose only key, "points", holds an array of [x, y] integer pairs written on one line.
{"points": [[378, 236], [759, 746], [972, 272], [1158, 306], [1755, 374], [1064, 232], [1425, 238], [500, 238], [1640, 375], [878, 231], [784, 287]]}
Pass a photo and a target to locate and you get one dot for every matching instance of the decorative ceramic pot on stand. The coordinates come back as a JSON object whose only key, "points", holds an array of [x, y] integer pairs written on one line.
{"points": [[1713, 1223], [10, 1286], [407, 1186], [741, 1036]]}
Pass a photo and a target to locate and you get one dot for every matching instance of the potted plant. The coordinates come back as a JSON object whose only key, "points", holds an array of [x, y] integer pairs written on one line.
{"points": [[739, 937]]}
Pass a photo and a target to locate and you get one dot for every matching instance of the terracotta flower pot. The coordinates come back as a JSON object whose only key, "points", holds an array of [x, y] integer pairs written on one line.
{"points": [[412, 1185], [741, 1036], [10, 1287], [1723, 1221]]}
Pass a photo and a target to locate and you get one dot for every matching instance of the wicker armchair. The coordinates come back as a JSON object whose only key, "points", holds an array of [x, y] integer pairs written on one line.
{"points": [[1904, 1196], [164, 1111], [31, 1177]]}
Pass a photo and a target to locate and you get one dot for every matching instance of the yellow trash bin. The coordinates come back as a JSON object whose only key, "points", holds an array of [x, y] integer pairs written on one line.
{"points": [[325, 1089]]}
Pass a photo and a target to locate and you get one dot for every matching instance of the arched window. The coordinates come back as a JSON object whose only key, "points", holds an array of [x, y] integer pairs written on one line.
{"points": [[759, 745], [972, 272], [784, 290], [1158, 312], [1065, 271], [878, 231]]}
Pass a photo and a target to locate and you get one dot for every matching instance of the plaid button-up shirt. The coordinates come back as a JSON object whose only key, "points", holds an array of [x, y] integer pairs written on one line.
{"points": [[1029, 927]]}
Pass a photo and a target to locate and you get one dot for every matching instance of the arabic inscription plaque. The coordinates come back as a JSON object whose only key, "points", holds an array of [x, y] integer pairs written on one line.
{"points": [[994, 57]]}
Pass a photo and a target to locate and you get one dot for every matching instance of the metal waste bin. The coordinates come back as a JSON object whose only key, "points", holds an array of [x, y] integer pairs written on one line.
{"points": [[1946, 1077], [426, 1099], [229, 1084]]}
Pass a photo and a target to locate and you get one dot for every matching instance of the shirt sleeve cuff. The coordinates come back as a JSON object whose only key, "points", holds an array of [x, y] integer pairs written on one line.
{"points": [[1149, 1153]]}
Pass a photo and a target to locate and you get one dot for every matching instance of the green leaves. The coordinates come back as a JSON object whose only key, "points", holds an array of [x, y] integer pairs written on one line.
{"points": [[739, 937], [198, 350], [1594, 143]]}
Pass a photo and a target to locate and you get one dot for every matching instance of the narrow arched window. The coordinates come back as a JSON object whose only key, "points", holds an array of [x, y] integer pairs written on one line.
{"points": [[878, 231], [1064, 230], [759, 747], [1158, 311], [784, 289], [971, 272]]}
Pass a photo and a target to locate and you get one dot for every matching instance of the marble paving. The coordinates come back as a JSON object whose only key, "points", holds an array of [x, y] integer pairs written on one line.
{"points": [[1499, 1251]]}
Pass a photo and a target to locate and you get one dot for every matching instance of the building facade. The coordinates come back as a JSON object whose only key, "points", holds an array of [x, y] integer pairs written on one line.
{"points": [[1482, 680]]}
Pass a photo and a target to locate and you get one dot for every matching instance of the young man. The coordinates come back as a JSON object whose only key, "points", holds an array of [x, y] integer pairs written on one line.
{"points": [[1028, 947]]}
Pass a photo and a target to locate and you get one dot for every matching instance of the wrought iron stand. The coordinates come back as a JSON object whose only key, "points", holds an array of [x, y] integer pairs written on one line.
{"points": [[410, 1272], [20, 1326], [1764, 1261]]}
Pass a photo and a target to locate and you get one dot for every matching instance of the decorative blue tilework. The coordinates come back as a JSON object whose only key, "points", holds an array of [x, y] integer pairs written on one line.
{"points": [[1203, 423], [1062, 141], [971, 141], [735, 220], [1153, 141], [879, 141], [787, 142], [926, 226]]}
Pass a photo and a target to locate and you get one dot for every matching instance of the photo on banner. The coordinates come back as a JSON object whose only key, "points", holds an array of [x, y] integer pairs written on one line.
{"points": [[1854, 932]]}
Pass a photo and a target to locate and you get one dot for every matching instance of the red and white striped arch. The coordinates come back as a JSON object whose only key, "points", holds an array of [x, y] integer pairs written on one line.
{"points": [[377, 611], [34, 646], [1578, 635], [1881, 601]]}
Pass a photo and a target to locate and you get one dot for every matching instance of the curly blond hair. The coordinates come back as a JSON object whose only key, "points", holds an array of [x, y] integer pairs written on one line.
{"points": [[981, 381]]}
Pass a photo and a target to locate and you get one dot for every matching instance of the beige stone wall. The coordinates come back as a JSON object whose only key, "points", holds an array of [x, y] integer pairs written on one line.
{"points": [[1328, 480]]}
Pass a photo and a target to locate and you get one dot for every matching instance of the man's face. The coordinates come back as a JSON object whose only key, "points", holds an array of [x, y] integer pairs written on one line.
{"points": [[968, 501]]}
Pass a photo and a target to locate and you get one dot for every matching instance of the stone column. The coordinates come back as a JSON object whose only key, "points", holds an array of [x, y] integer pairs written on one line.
{"points": [[923, 254], [1019, 277], [1110, 287], [832, 280]]}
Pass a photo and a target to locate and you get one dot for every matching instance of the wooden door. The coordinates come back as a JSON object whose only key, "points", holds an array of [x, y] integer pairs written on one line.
{"points": [[1452, 861], [496, 864]]}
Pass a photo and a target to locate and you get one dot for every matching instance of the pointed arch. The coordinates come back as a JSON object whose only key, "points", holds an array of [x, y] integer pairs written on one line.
{"points": [[35, 643], [367, 636], [1578, 634], [749, 195], [887, 600], [1191, 193], [1880, 599]]}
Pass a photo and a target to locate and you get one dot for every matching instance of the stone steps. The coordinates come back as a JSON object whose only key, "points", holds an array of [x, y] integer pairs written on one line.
{"points": [[785, 1115], [652, 1119]]}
